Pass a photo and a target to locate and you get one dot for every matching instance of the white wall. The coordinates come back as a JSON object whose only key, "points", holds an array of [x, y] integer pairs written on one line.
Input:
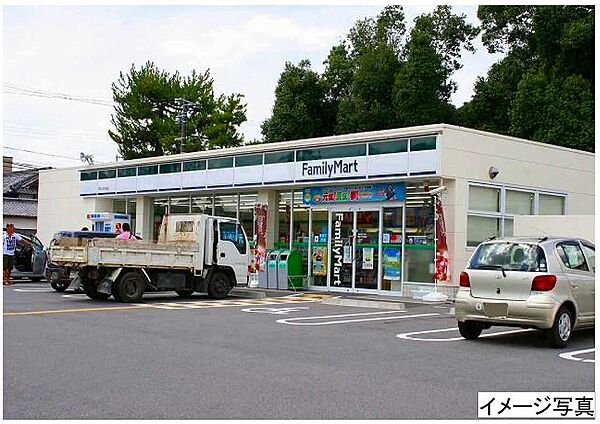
{"points": [[21, 222], [467, 155], [558, 225], [59, 204]]}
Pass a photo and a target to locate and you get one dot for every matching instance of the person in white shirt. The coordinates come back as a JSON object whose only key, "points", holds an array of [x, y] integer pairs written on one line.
{"points": [[10, 240]]}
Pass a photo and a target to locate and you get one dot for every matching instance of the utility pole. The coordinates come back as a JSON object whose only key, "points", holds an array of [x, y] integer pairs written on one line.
{"points": [[182, 117]]}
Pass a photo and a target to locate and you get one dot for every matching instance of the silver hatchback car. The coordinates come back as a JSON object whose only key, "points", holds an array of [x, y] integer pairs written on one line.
{"points": [[545, 283]]}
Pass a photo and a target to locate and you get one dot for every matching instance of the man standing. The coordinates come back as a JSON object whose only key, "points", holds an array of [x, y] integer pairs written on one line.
{"points": [[10, 240]]}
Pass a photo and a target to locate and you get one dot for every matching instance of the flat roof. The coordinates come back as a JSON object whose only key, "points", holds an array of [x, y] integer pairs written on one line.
{"points": [[415, 131]]}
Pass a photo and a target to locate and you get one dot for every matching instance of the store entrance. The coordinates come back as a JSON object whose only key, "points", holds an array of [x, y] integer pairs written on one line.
{"points": [[354, 247]]}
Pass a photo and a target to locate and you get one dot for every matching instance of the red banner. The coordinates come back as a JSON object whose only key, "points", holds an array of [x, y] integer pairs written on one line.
{"points": [[260, 231], [442, 270]]}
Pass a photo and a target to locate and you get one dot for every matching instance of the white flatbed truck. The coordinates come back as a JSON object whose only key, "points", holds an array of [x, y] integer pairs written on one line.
{"points": [[194, 253]]}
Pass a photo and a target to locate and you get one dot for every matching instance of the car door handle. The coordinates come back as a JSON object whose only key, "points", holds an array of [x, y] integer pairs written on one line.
{"points": [[222, 255]]}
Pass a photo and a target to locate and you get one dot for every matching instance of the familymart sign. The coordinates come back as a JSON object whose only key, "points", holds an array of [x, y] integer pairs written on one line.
{"points": [[331, 169]]}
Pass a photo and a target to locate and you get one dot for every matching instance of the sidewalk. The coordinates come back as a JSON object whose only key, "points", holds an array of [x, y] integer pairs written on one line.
{"points": [[358, 300]]}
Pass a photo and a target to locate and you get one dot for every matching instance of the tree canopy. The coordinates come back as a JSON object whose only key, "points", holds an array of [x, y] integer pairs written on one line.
{"points": [[147, 109]]}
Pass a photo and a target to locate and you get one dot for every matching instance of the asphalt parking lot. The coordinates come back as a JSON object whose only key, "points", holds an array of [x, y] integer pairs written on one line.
{"points": [[66, 356]]}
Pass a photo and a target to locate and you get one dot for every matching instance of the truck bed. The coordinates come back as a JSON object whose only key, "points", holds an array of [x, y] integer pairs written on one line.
{"points": [[72, 252]]}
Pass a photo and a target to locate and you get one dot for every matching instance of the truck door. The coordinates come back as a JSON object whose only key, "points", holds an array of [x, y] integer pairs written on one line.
{"points": [[232, 249]]}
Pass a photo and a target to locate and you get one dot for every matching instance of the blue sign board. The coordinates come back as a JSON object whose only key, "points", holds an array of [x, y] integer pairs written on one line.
{"points": [[379, 192]]}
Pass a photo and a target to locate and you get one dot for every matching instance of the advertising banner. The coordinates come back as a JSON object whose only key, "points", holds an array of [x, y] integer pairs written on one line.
{"points": [[361, 193], [367, 257], [260, 231], [442, 271], [391, 263], [319, 261]]}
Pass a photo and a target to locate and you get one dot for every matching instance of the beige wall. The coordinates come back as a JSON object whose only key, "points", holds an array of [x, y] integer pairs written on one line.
{"points": [[467, 155], [20, 222], [570, 226], [59, 204]]}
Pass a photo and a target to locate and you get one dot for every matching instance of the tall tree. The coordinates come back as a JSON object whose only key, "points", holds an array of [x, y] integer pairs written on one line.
{"points": [[548, 70], [147, 108], [300, 108]]}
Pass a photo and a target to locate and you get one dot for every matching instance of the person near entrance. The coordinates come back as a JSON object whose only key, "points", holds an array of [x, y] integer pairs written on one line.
{"points": [[126, 233], [9, 243]]}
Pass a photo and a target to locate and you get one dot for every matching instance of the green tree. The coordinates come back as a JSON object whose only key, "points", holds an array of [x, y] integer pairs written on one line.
{"points": [[543, 89], [300, 108], [145, 118]]}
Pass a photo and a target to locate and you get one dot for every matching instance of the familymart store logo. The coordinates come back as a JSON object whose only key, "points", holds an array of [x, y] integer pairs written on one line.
{"points": [[326, 169]]}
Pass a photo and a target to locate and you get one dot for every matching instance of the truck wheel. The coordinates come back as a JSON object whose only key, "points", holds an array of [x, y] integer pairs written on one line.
{"points": [[130, 288], [219, 286], [561, 330], [60, 286], [186, 294], [92, 293], [470, 330]]}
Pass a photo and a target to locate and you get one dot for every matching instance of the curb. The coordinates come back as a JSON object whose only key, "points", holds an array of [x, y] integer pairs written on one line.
{"points": [[359, 303]]}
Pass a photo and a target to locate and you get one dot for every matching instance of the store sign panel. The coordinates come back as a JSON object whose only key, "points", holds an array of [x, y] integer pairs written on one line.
{"points": [[331, 168], [349, 194]]}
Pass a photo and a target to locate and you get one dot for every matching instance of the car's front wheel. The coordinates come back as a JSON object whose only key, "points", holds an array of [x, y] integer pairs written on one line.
{"points": [[561, 330], [470, 330]]}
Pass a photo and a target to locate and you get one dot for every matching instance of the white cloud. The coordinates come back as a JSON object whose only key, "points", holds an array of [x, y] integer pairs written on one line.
{"points": [[81, 50]]}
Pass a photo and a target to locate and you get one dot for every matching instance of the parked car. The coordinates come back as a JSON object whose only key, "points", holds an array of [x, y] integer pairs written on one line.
{"points": [[29, 261], [60, 278], [546, 283]]}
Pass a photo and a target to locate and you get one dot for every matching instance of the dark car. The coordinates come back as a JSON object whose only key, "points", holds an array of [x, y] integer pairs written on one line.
{"points": [[59, 278], [29, 261]]}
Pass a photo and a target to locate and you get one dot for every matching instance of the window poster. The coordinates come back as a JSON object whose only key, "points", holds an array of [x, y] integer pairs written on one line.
{"points": [[392, 260]]}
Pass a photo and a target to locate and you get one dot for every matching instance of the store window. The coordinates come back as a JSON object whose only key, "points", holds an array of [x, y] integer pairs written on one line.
{"points": [[226, 205], [492, 210], [319, 260], [284, 217], [520, 202], [179, 205], [169, 168], [161, 208], [127, 172], [331, 152], [246, 215], [279, 157], [422, 143], [196, 165], [385, 147], [392, 248], [419, 243], [148, 170], [220, 163], [202, 204], [131, 210], [551, 205], [110, 173], [119, 206], [248, 160], [88, 176]]}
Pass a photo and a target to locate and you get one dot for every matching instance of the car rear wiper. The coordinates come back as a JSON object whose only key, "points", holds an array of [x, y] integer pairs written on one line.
{"points": [[500, 267]]}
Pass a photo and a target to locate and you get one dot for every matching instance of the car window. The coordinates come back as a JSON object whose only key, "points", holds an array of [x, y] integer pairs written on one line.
{"points": [[571, 256], [232, 232], [509, 256], [590, 252]]}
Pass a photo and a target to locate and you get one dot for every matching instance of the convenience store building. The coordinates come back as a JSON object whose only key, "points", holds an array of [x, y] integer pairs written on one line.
{"points": [[358, 206]]}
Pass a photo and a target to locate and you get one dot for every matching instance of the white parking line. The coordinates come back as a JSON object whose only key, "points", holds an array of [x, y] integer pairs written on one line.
{"points": [[34, 290], [408, 336], [571, 355], [294, 321]]}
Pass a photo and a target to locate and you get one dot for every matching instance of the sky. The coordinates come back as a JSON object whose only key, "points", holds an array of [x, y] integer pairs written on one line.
{"points": [[80, 51]]}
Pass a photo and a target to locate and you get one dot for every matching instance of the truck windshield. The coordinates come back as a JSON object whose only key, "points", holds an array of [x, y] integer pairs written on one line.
{"points": [[509, 256], [232, 232]]}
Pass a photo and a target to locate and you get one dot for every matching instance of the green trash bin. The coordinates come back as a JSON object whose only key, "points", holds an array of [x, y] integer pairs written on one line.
{"points": [[289, 269]]}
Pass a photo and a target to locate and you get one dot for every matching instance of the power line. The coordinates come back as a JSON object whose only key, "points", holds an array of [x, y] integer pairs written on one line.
{"points": [[32, 92], [40, 153]]}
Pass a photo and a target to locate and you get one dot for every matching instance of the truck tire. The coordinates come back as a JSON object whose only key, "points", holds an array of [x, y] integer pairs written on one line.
{"points": [[219, 285], [129, 288], [186, 294], [90, 290], [60, 286]]}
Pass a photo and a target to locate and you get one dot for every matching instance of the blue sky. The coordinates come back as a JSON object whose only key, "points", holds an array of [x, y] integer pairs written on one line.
{"points": [[81, 50]]}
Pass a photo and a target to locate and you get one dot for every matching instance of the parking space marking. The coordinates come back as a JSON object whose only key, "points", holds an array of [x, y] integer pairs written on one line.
{"points": [[63, 311], [275, 311], [34, 290], [407, 336], [571, 355], [294, 321]]}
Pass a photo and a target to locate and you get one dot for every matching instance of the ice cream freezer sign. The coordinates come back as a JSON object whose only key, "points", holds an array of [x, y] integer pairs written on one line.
{"points": [[348, 194]]}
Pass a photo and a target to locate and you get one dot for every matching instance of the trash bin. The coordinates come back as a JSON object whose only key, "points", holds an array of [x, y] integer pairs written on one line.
{"points": [[272, 258], [289, 269]]}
